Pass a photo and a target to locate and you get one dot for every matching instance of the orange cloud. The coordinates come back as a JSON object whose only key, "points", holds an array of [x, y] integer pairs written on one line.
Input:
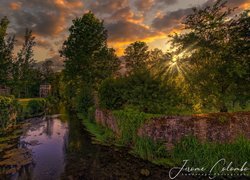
{"points": [[66, 9], [245, 6], [69, 5], [15, 6], [120, 46]]}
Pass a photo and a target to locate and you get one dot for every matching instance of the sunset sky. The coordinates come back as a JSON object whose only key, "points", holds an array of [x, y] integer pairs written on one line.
{"points": [[126, 20]]}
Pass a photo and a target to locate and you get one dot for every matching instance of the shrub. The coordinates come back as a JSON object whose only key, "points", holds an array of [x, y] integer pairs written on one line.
{"points": [[149, 93], [8, 107], [111, 93], [139, 89], [35, 107], [84, 99]]}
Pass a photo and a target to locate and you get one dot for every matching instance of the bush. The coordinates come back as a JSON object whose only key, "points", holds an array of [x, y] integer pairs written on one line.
{"points": [[149, 93], [112, 93], [84, 100], [8, 107], [35, 107], [139, 89]]}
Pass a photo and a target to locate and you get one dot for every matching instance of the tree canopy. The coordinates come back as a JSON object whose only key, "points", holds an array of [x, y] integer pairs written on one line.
{"points": [[215, 51], [87, 56]]}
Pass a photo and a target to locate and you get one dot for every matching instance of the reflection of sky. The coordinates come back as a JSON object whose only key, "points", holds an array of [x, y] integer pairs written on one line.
{"points": [[49, 154], [126, 20]]}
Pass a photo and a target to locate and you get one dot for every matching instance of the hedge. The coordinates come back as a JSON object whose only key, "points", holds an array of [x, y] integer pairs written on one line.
{"points": [[8, 111]]}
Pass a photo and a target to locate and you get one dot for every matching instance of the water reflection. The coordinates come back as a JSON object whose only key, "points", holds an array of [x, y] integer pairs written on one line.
{"points": [[47, 140], [62, 149]]}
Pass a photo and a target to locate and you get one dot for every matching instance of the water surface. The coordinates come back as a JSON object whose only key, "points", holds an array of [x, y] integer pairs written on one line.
{"points": [[62, 149]]}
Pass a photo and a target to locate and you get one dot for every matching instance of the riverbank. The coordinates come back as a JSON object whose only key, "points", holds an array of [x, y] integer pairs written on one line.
{"points": [[88, 158], [61, 148], [129, 128]]}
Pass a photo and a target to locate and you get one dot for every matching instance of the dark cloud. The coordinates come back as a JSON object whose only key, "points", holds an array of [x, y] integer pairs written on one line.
{"points": [[126, 20], [42, 23], [148, 4], [167, 2], [128, 31], [45, 18], [107, 6], [57, 63], [171, 20], [125, 14], [144, 5]]}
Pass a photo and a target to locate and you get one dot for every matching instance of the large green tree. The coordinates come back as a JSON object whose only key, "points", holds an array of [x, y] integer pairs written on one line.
{"points": [[87, 57], [24, 66], [6, 52], [218, 55], [136, 56]]}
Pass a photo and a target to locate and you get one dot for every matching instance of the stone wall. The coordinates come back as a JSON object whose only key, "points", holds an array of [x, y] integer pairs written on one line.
{"points": [[219, 127], [107, 119]]}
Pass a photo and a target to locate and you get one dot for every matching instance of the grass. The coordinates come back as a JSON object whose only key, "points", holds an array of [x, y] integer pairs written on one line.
{"points": [[199, 154], [129, 121], [24, 102], [148, 149], [208, 153], [101, 134]]}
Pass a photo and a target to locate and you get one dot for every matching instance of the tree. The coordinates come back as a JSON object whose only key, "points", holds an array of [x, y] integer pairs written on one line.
{"points": [[136, 56], [6, 53], [24, 65], [47, 71], [218, 62], [87, 57]]}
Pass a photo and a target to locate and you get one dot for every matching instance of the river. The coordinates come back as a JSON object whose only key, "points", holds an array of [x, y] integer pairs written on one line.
{"points": [[62, 149]]}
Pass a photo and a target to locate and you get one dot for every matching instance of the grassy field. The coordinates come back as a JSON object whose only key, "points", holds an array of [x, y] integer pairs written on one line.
{"points": [[25, 101]]}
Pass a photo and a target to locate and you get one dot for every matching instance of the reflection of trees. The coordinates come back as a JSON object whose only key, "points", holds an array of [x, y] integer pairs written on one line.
{"points": [[65, 141], [48, 130], [26, 172], [79, 140]]}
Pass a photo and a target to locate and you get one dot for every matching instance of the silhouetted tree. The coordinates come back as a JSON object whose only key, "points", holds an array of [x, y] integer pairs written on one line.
{"points": [[136, 56]]}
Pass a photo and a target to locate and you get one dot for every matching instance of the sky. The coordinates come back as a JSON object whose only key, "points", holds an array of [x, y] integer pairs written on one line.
{"points": [[127, 21]]}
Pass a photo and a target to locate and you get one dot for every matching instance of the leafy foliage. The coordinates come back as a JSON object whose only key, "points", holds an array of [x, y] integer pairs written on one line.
{"points": [[8, 111], [139, 89], [87, 57], [136, 56], [6, 52], [216, 61], [36, 107], [111, 93], [23, 72], [84, 99]]}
